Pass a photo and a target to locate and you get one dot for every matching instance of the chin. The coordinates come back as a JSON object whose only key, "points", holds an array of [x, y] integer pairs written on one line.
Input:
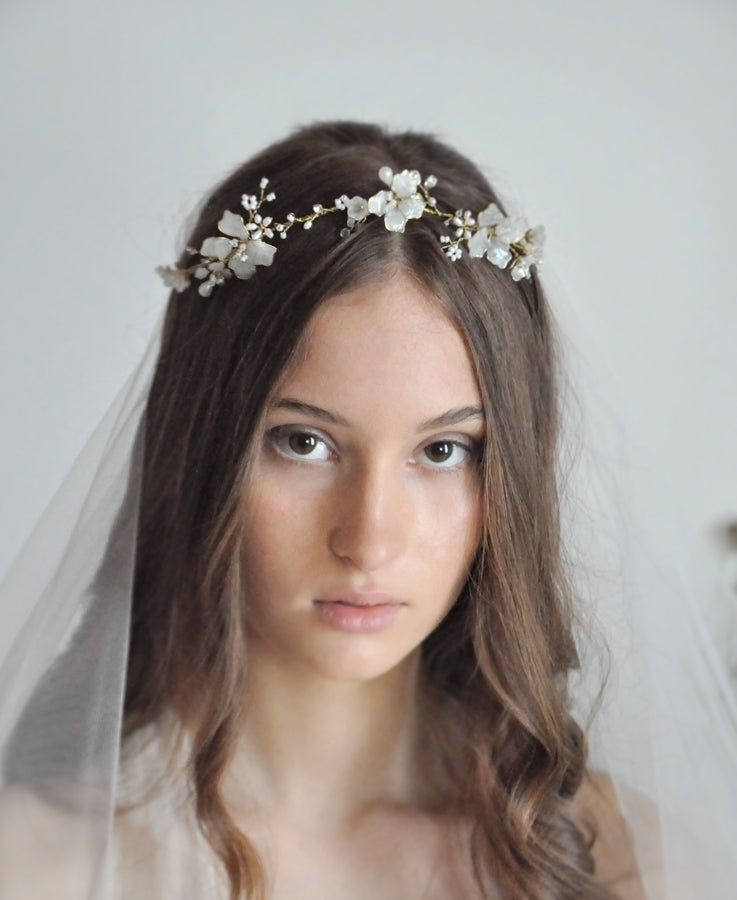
{"points": [[357, 661]]}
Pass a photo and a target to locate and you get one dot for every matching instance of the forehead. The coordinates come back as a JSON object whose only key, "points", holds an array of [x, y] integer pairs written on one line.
{"points": [[385, 342]]}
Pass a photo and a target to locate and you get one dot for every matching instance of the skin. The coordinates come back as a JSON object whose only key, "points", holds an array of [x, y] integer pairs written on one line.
{"points": [[361, 487]]}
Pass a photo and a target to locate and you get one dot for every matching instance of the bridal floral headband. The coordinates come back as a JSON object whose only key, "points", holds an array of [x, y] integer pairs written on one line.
{"points": [[505, 241]]}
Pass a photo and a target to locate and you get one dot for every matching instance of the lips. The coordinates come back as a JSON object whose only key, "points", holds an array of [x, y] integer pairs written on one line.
{"points": [[358, 611], [360, 598]]}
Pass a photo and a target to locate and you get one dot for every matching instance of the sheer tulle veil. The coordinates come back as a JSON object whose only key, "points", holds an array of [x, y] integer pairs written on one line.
{"points": [[664, 726]]}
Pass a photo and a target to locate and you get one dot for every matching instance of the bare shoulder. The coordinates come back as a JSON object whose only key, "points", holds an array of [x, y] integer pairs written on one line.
{"points": [[44, 851], [618, 866]]}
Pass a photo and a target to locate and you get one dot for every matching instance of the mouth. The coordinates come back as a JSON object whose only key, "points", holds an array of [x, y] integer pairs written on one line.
{"points": [[358, 611], [360, 598]]}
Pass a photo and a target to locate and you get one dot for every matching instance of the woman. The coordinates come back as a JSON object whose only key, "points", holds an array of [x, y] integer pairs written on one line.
{"points": [[351, 630]]}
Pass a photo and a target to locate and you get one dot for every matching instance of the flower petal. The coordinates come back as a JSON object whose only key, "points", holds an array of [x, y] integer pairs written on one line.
{"points": [[412, 207], [357, 208], [405, 184], [478, 243], [242, 266], [521, 269], [534, 241], [386, 175], [260, 254], [232, 225], [512, 230], [217, 247], [394, 218], [173, 278], [498, 253], [492, 215], [378, 203], [536, 236]]}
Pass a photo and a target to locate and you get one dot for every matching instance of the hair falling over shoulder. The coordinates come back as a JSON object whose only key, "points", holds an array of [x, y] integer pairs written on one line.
{"points": [[501, 657]]}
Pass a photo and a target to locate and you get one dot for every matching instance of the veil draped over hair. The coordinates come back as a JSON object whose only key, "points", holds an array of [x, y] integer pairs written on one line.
{"points": [[664, 728]]}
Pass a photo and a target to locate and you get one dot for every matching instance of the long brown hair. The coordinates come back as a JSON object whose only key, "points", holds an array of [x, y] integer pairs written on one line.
{"points": [[502, 654]]}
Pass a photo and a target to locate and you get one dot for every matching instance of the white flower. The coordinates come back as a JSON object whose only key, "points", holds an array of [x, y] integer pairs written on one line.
{"points": [[464, 224], [249, 202], [495, 234], [506, 240], [401, 202], [249, 255], [260, 227], [173, 278], [356, 208], [241, 251], [216, 274], [532, 245]]}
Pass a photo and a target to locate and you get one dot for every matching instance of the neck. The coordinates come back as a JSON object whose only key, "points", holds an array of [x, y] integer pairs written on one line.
{"points": [[314, 747]]}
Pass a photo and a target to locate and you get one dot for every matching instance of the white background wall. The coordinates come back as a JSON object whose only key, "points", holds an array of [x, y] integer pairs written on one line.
{"points": [[613, 123]]}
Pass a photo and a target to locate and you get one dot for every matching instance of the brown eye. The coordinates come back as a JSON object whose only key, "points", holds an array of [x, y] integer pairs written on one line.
{"points": [[440, 451], [302, 443], [447, 454], [295, 443]]}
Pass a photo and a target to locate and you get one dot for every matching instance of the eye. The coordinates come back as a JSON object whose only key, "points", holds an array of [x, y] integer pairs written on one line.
{"points": [[297, 442], [447, 454]]}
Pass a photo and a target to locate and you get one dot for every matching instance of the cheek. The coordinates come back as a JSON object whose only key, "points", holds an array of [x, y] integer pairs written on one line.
{"points": [[449, 521], [284, 521]]}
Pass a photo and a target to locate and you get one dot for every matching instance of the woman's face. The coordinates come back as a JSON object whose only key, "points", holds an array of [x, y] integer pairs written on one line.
{"points": [[364, 506]]}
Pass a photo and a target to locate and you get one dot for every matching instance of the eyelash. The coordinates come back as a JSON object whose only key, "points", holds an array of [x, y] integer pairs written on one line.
{"points": [[280, 437]]}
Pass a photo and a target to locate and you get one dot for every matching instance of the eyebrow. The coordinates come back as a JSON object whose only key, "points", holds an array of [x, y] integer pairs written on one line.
{"points": [[453, 417], [449, 417]]}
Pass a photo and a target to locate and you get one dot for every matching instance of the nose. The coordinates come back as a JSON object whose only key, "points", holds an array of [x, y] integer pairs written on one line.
{"points": [[373, 520]]}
